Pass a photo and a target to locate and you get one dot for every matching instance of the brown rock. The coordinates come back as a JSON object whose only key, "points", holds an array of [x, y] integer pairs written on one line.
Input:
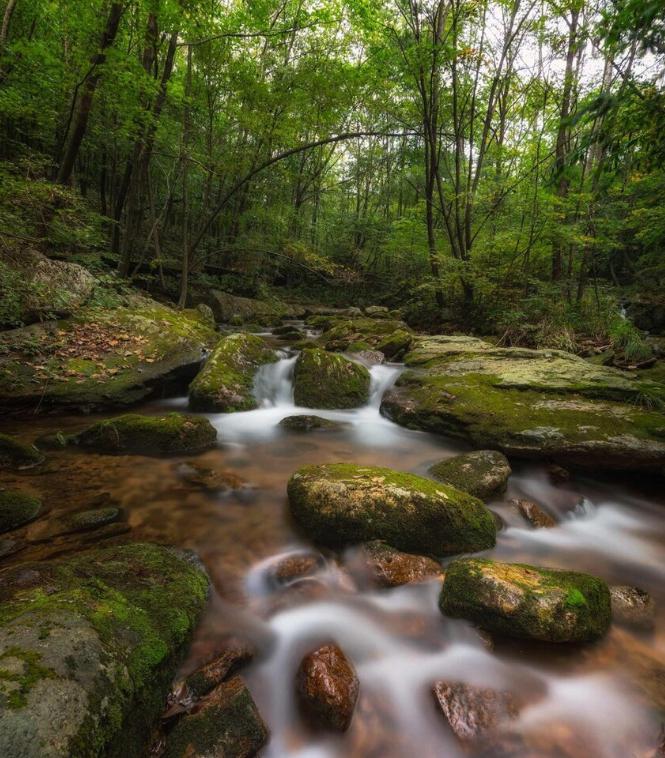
{"points": [[296, 566], [327, 688], [204, 680], [389, 567], [473, 711], [534, 514], [632, 606], [558, 474]]}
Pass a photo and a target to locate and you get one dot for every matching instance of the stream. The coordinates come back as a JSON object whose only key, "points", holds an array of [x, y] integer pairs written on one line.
{"points": [[591, 700]]}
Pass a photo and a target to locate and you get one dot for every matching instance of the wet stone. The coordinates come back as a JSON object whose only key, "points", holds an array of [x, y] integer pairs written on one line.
{"points": [[558, 474], [309, 423], [16, 454], [632, 606], [296, 566], [9, 547], [388, 567], [534, 514], [481, 473], [235, 654], [208, 479], [474, 711], [327, 688]]}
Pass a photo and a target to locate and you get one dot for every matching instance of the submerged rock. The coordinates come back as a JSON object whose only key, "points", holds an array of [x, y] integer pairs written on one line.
{"points": [[226, 381], [17, 508], [16, 454], [202, 681], [341, 504], [474, 711], [633, 606], [227, 723], [527, 601], [309, 424], [388, 567], [327, 688], [296, 566], [101, 357], [326, 380], [173, 434], [482, 473], [534, 514], [531, 403], [88, 647]]}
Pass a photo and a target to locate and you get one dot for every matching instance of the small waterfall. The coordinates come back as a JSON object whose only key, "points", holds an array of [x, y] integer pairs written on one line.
{"points": [[273, 383], [383, 377]]}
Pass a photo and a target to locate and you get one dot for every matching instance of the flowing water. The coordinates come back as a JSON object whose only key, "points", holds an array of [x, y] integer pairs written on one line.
{"points": [[593, 700]]}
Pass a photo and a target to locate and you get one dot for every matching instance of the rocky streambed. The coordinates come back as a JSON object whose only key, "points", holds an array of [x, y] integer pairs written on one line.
{"points": [[335, 583]]}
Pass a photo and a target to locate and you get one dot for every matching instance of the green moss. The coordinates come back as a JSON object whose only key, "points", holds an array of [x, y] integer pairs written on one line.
{"points": [[17, 508], [481, 473], [341, 334], [172, 434], [326, 380], [226, 381], [16, 454], [339, 504], [31, 673], [527, 601]]}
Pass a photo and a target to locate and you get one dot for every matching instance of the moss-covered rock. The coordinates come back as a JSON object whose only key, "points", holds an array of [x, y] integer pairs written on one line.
{"points": [[306, 423], [518, 600], [173, 434], [226, 381], [88, 646], [231, 309], [102, 357], [340, 504], [226, 723], [531, 403], [326, 380], [356, 334], [17, 454], [17, 508], [395, 345], [482, 473]]}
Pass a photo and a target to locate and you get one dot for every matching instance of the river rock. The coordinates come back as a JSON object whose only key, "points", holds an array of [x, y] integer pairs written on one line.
{"points": [[299, 565], [341, 504], [101, 357], [232, 309], [88, 647], [326, 380], [209, 479], [236, 653], [226, 381], [527, 601], [377, 311], [173, 434], [633, 606], [482, 473], [534, 514], [388, 567], [474, 711], [17, 454], [327, 688], [50, 289], [357, 334], [225, 724], [395, 345], [309, 424], [544, 404], [17, 508]]}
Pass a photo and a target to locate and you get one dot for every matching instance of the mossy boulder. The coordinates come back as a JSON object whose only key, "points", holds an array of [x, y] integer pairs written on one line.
{"points": [[226, 381], [395, 345], [102, 357], [531, 404], [327, 380], [17, 454], [17, 508], [232, 309], [524, 601], [306, 423], [226, 723], [173, 434], [341, 504], [357, 334], [49, 288], [88, 646], [482, 473]]}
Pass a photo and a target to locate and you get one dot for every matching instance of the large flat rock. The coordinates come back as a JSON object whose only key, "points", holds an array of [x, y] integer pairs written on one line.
{"points": [[531, 403]]}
